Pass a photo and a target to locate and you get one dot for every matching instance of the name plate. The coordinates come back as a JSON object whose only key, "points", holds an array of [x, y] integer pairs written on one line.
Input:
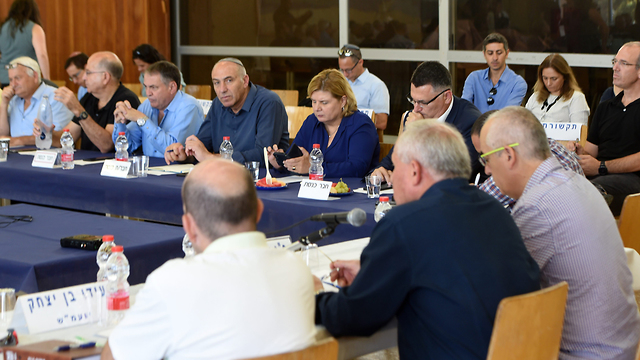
{"points": [[60, 308], [115, 168], [314, 189], [562, 131], [45, 159], [279, 242]]}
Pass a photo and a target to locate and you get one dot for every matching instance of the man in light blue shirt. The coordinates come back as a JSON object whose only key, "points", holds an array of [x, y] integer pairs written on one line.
{"points": [[21, 100], [167, 116], [370, 91], [497, 86]]}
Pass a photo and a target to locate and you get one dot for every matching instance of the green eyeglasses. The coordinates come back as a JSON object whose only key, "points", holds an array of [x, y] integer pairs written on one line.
{"points": [[483, 158]]}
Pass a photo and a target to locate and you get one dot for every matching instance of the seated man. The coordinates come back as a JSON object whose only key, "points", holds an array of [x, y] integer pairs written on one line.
{"points": [[167, 116], [21, 101], [93, 121], [251, 115], [440, 261], [74, 66], [570, 232], [236, 299]]}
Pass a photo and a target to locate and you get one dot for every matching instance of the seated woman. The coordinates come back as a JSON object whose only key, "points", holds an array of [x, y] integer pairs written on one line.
{"points": [[557, 96], [143, 56], [348, 138]]}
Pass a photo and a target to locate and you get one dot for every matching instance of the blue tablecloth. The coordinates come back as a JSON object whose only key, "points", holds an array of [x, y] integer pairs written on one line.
{"points": [[158, 197], [32, 260]]}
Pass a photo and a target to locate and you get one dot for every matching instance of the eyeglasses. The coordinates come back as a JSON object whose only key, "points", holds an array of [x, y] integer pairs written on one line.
{"points": [[89, 72], [483, 158], [75, 76], [422, 103], [492, 92], [15, 66], [350, 70], [349, 50], [614, 61]]}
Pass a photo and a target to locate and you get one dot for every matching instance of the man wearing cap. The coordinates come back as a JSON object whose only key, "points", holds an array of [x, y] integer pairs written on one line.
{"points": [[21, 101], [371, 92]]}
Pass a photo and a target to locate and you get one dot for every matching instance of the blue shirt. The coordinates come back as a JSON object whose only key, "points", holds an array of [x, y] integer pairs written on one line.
{"points": [[261, 122], [81, 91], [21, 120], [354, 150], [371, 92], [511, 89], [182, 118]]}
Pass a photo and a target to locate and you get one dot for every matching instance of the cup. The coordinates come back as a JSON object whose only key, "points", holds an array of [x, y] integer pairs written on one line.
{"points": [[309, 255], [7, 303], [373, 186], [254, 169], [142, 165], [4, 149]]}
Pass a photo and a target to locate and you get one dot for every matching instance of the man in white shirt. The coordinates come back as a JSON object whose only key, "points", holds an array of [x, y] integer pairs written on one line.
{"points": [[236, 298]]}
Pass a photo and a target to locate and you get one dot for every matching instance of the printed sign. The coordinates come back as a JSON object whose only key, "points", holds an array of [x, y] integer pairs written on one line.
{"points": [[314, 189], [115, 168], [45, 159], [279, 242], [562, 131]]}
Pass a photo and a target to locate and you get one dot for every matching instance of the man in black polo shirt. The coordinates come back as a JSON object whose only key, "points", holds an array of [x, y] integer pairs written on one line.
{"points": [[612, 152], [93, 121]]}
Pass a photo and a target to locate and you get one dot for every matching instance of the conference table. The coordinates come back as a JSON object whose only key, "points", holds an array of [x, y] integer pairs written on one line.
{"points": [[158, 198]]}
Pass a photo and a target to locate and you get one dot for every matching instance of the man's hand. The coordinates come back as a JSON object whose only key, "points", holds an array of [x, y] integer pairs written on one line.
{"points": [[590, 165], [124, 111], [344, 271], [384, 173], [7, 94], [194, 147], [174, 152], [317, 284], [68, 99], [413, 116]]}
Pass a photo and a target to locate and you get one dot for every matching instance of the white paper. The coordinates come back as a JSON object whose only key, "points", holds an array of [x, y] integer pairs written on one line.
{"points": [[562, 131], [115, 168], [314, 189], [171, 169], [45, 159]]}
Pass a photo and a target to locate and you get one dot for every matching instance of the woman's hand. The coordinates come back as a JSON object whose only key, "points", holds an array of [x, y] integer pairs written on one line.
{"points": [[299, 165]]}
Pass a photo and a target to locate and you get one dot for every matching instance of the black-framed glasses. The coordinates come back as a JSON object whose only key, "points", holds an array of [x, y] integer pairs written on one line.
{"points": [[615, 61], [6, 220], [422, 103], [492, 93], [348, 71], [75, 76], [15, 66], [350, 50]]}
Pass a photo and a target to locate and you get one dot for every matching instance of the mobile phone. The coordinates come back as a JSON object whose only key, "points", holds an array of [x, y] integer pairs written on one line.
{"points": [[294, 152], [98, 158], [82, 241]]}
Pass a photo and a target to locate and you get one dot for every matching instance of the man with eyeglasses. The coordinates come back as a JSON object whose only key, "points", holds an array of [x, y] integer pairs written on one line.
{"points": [[611, 155], [21, 101], [432, 98], [371, 92], [94, 118], [570, 232], [74, 66], [497, 86]]}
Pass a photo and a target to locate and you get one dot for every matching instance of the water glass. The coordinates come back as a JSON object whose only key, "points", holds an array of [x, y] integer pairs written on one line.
{"points": [[309, 255], [7, 303], [4, 149], [254, 169], [142, 166], [373, 186]]}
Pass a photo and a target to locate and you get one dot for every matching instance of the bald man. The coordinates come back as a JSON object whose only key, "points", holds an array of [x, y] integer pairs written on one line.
{"points": [[236, 298], [93, 121], [570, 232], [251, 115]]}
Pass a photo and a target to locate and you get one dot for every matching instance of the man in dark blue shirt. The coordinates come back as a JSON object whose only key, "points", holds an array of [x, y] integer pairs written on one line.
{"points": [[251, 115]]}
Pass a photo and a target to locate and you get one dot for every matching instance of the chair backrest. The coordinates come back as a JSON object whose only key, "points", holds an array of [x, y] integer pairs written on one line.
{"points": [[60, 83], [206, 105], [629, 223], [326, 349], [384, 150], [372, 115], [297, 115], [135, 87], [199, 91], [529, 326], [288, 97]]}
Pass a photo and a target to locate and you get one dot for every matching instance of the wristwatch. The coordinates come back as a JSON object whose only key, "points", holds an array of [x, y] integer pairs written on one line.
{"points": [[602, 170], [141, 122], [83, 115]]}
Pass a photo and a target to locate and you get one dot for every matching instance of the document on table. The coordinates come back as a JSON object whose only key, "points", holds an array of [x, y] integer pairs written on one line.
{"points": [[171, 169]]}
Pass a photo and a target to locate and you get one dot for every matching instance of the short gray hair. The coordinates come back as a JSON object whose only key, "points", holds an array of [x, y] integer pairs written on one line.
{"points": [[438, 147], [242, 71], [30, 64], [515, 124]]}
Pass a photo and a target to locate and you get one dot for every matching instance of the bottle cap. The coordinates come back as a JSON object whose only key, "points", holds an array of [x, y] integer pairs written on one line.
{"points": [[121, 133], [316, 146], [107, 238], [226, 138], [65, 130], [384, 198], [117, 248]]}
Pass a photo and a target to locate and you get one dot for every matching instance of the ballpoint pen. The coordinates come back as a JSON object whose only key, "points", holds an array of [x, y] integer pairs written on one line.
{"points": [[75, 346]]}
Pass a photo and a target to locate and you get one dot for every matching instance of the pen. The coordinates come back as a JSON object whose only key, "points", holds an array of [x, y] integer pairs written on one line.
{"points": [[170, 150], [72, 346]]}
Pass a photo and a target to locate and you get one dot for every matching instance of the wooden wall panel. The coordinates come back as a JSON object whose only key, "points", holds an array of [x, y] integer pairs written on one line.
{"points": [[98, 25]]}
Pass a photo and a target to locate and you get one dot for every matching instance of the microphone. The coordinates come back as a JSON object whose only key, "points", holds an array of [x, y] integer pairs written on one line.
{"points": [[356, 217]]}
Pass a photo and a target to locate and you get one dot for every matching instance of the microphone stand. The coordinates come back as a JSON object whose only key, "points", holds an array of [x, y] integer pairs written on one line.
{"points": [[313, 237]]}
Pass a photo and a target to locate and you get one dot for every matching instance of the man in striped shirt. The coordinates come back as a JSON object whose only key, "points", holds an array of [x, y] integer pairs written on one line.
{"points": [[570, 232]]}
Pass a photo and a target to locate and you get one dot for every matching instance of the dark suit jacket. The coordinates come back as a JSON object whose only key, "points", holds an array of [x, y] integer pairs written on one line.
{"points": [[463, 114], [441, 265]]}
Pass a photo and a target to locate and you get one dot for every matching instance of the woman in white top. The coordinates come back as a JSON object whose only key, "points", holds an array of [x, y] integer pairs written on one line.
{"points": [[557, 96]]}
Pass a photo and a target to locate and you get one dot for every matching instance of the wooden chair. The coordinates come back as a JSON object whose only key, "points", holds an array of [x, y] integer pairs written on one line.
{"points": [[297, 115], [326, 349], [372, 115], [385, 149], [60, 83], [629, 223], [199, 91], [288, 97], [529, 326], [135, 87]]}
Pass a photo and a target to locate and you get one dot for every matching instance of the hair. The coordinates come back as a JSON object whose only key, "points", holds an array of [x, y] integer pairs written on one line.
{"points": [[167, 71], [30, 64], [438, 147], [495, 38], [431, 73], [560, 65], [634, 44], [79, 61], [147, 53], [332, 80], [21, 12], [479, 123], [214, 212], [242, 71], [516, 124], [112, 66]]}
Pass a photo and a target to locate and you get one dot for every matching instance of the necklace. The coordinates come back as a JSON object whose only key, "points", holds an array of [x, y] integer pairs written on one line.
{"points": [[335, 132]]}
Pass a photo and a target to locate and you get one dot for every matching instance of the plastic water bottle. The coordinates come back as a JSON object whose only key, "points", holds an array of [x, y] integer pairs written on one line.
{"points": [[117, 286], [187, 247], [66, 140], [45, 122], [103, 255], [226, 149], [382, 209], [316, 172], [122, 146]]}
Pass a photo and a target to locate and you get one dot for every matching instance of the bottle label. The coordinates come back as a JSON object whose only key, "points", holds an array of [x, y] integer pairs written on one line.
{"points": [[118, 301], [67, 157], [316, 177]]}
